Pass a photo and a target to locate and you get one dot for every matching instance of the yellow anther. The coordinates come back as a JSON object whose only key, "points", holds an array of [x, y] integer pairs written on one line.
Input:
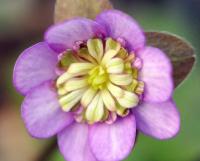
{"points": [[133, 85], [122, 53], [130, 58], [140, 88], [135, 73]]}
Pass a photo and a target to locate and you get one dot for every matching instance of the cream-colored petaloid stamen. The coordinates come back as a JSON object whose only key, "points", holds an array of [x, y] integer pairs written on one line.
{"points": [[80, 67], [88, 96], [68, 101], [75, 83], [108, 100], [95, 48], [115, 66], [108, 56], [121, 79], [95, 110], [129, 100], [101, 81]]}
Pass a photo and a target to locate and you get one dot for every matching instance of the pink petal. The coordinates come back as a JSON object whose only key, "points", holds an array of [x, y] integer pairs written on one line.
{"points": [[41, 112], [73, 143], [157, 75], [112, 142], [120, 25], [64, 36], [33, 67], [159, 120]]}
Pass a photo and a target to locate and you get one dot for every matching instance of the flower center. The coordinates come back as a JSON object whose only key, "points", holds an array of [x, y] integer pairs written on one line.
{"points": [[98, 77], [99, 81]]}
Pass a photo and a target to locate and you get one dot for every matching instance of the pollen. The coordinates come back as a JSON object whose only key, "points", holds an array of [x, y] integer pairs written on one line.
{"points": [[100, 82]]}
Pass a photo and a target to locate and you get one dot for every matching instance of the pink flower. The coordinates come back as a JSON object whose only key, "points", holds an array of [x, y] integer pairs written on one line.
{"points": [[93, 83]]}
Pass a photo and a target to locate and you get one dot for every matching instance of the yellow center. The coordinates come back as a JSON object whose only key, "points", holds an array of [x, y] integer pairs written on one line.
{"points": [[100, 82], [98, 77]]}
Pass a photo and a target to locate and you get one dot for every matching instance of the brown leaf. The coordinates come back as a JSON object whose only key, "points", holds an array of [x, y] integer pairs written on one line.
{"points": [[67, 9], [179, 51]]}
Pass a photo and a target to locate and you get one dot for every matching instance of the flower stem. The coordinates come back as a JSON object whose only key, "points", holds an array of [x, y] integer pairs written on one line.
{"points": [[48, 151]]}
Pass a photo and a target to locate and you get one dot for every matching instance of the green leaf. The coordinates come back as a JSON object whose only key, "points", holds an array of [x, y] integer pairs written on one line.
{"points": [[67, 9], [180, 52]]}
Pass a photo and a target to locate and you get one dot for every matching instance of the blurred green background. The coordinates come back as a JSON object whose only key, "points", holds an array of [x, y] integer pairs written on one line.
{"points": [[22, 23]]}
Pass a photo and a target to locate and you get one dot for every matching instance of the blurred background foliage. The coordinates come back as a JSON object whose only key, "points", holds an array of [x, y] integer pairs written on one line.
{"points": [[23, 22]]}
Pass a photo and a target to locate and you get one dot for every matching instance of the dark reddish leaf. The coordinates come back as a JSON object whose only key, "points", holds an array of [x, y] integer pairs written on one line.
{"points": [[179, 51]]}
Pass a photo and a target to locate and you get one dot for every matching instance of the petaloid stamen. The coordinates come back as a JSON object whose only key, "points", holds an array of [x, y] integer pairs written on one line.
{"points": [[102, 80]]}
